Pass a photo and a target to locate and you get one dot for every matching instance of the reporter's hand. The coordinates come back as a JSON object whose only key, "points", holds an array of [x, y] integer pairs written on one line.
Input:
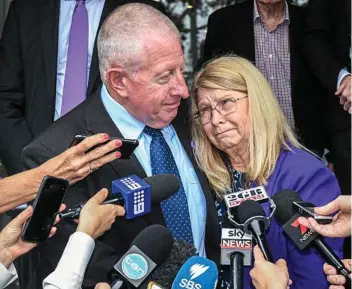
{"points": [[102, 286], [341, 223], [95, 219], [75, 163], [344, 93], [333, 278], [11, 245], [266, 275]]}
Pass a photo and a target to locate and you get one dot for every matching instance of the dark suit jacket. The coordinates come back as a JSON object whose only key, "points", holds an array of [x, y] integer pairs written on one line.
{"points": [[327, 48], [28, 65], [88, 118], [230, 30]]}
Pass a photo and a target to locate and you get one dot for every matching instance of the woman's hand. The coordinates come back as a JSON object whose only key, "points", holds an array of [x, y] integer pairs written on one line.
{"points": [[11, 245], [75, 163], [336, 281], [95, 219]]}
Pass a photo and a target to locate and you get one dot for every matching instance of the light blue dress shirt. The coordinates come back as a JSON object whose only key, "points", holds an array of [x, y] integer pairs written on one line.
{"points": [[95, 9], [133, 129]]}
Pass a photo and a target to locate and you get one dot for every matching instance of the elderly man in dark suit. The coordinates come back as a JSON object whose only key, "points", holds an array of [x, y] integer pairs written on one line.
{"points": [[48, 65], [141, 98], [270, 33]]}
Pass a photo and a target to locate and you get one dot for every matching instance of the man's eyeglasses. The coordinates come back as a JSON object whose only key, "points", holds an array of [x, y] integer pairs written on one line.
{"points": [[224, 107]]}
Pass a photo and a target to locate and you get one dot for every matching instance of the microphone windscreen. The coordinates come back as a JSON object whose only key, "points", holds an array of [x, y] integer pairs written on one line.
{"points": [[249, 209], [156, 242], [163, 186], [284, 200], [197, 273], [166, 273]]}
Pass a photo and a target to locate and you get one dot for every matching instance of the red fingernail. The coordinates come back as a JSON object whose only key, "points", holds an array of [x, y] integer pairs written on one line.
{"points": [[118, 154], [106, 136], [118, 143]]}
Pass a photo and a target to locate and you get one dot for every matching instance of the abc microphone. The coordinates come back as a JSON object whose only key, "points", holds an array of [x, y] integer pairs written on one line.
{"points": [[197, 273], [148, 250], [301, 235], [135, 194]]}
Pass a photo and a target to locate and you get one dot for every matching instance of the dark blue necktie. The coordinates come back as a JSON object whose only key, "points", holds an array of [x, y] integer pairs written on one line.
{"points": [[175, 209]]}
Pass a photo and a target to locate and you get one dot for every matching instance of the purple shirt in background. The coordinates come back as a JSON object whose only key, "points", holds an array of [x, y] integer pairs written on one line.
{"points": [[301, 172], [272, 58]]}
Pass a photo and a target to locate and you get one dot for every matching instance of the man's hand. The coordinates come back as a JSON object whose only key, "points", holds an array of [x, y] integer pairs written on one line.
{"points": [[102, 286], [95, 219], [334, 279], [341, 223], [11, 245], [266, 275], [344, 93]]}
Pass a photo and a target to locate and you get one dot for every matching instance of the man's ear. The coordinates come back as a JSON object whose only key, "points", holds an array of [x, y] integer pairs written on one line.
{"points": [[117, 79]]}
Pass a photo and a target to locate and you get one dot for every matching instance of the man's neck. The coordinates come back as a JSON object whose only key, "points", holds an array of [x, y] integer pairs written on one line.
{"points": [[271, 14]]}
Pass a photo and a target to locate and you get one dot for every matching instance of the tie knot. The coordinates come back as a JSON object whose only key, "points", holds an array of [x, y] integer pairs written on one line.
{"points": [[153, 132]]}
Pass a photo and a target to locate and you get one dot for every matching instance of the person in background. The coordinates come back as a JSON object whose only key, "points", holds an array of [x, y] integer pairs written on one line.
{"points": [[269, 33], [327, 47], [74, 164], [48, 65], [242, 140]]}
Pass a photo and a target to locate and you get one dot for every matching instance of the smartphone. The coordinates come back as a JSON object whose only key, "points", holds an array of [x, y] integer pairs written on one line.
{"points": [[46, 206], [126, 149], [306, 210]]}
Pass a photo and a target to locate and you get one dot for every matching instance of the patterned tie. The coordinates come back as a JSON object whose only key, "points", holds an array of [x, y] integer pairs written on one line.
{"points": [[175, 209], [75, 85]]}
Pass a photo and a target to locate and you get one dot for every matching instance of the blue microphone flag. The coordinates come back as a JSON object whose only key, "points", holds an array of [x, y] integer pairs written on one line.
{"points": [[197, 273], [136, 193]]}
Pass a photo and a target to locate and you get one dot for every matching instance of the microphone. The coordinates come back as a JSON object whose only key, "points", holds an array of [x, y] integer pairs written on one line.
{"points": [[197, 273], [235, 199], [255, 222], [149, 249], [135, 194], [301, 235], [166, 273], [236, 251]]}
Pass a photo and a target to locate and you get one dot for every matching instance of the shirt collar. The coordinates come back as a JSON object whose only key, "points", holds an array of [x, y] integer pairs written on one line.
{"points": [[256, 15], [129, 127]]}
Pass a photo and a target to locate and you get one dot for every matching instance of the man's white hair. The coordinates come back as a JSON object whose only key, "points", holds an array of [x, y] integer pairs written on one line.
{"points": [[124, 32]]}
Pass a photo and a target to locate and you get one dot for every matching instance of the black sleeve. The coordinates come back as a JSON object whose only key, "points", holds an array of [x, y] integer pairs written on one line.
{"points": [[317, 44], [14, 131]]}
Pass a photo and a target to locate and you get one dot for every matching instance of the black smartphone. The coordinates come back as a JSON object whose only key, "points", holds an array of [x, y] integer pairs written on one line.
{"points": [[126, 149], [306, 210], [46, 206]]}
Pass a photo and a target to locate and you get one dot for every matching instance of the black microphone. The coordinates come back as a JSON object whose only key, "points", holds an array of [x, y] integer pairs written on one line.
{"points": [[160, 187], [301, 235], [255, 221], [166, 273], [148, 250]]}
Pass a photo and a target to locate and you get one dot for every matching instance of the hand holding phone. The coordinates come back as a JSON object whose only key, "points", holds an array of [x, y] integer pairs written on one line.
{"points": [[46, 206], [306, 210]]}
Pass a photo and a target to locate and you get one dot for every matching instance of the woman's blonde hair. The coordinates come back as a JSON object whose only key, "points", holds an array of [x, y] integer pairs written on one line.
{"points": [[268, 129]]}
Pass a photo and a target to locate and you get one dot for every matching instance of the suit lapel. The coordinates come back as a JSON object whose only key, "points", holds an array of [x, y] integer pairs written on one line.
{"points": [[99, 121], [50, 12], [244, 37], [94, 76]]}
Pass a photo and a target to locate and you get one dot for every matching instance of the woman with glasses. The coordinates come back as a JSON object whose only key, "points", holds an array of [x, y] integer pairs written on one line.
{"points": [[242, 140]]}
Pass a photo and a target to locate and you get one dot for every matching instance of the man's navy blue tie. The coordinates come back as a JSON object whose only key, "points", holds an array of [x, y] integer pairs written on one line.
{"points": [[175, 209]]}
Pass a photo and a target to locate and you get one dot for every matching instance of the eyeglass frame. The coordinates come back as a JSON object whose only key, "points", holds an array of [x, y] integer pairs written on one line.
{"points": [[198, 116]]}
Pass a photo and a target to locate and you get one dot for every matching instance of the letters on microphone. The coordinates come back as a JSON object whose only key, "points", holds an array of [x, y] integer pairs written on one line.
{"points": [[256, 194]]}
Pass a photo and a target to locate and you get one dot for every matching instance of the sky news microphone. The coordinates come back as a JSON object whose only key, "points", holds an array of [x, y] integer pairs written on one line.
{"points": [[236, 251], [197, 273], [149, 249], [166, 273], [135, 194], [255, 222], [302, 236]]}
